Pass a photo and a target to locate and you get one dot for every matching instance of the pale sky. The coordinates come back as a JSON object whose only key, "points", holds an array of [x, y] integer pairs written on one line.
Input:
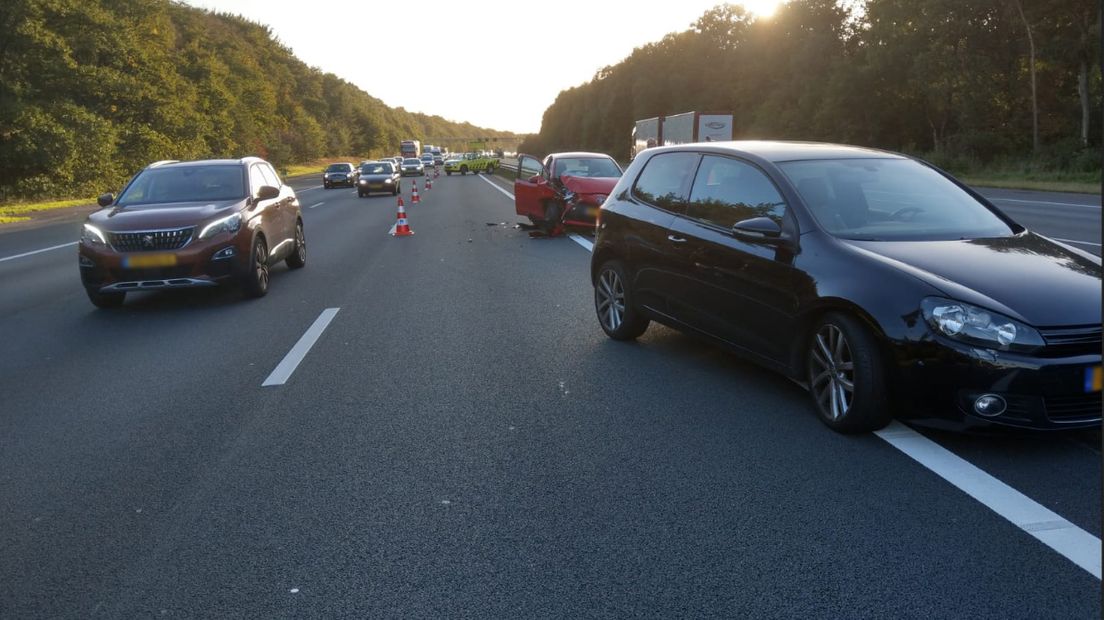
{"points": [[494, 64]]}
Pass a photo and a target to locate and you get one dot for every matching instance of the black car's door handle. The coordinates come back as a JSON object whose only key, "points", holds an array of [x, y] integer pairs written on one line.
{"points": [[674, 239]]}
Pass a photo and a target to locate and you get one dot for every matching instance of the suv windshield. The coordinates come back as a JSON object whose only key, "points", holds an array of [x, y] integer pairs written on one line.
{"points": [[339, 168], [379, 168], [890, 200], [185, 184]]}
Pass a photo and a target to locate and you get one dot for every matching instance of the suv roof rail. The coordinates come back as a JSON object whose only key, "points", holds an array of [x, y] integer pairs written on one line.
{"points": [[162, 163]]}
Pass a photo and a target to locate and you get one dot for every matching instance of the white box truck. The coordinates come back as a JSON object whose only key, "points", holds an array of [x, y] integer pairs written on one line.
{"points": [[681, 129]]}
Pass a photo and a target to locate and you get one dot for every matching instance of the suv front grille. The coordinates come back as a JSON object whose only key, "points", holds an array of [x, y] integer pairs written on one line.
{"points": [[150, 240], [1065, 341]]}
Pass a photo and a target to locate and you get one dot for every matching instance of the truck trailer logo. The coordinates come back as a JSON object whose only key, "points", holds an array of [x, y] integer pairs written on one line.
{"points": [[715, 125]]}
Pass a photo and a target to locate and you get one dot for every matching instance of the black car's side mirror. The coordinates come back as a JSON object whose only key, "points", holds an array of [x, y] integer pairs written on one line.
{"points": [[105, 200], [757, 228], [267, 192]]}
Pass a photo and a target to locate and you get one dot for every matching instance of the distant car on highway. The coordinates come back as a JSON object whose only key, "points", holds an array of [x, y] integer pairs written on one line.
{"points": [[412, 167], [191, 224], [438, 160], [566, 189], [427, 160], [878, 281], [378, 176], [339, 174]]}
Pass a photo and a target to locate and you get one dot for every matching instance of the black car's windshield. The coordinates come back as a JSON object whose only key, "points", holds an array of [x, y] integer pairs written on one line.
{"points": [[185, 184], [378, 168], [587, 167], [890, 200], [339, 168]]}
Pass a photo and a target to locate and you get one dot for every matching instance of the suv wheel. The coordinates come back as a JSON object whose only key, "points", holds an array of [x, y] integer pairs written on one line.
{"points": [[256, 281], [613, 301], [846, 376], [298, 257], [105, 300]]}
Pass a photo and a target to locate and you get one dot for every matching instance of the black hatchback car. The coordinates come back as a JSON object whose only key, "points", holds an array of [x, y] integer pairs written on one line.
{"points": [[881, 283]]}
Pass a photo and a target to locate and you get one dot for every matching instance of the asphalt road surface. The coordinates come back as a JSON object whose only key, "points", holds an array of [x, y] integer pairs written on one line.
{"points": [[462, 440]]}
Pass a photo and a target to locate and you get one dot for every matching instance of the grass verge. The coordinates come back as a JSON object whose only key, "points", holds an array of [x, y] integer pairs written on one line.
{"points": [[19, 212], [1076, 187]]}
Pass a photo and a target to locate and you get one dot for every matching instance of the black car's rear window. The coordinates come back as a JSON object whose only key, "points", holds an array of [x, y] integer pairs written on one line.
{"points": [[339, 168], [214, 182]]}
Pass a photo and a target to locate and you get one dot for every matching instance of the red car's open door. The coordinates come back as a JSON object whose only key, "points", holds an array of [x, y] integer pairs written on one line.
{"points": [[531, 188]]}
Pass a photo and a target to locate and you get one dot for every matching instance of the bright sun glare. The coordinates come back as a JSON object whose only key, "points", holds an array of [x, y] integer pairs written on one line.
{"points": [[761, 8]]}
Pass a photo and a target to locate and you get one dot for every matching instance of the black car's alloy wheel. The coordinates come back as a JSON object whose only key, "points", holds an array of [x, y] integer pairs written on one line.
{"points": [[298, 257], [256, 281], [846, 378], [613, 302]]}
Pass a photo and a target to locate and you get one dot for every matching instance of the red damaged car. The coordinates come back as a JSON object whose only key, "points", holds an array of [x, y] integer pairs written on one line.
{"points": [[565, 190]]}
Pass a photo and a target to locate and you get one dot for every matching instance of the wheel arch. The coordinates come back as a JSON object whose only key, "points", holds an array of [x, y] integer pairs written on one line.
{"points": [[828, 305]]}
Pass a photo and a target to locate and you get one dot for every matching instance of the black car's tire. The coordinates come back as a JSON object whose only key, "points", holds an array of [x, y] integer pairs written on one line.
{"points": [[360, 194], [255, 282], [105, 300], [614, 303], [448, 173], [298, 257], [846, 375]]}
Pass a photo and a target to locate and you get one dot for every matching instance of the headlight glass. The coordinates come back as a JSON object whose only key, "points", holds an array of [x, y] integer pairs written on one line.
{"points": [[229, 224], [973, 325], [90, 235], [388, 180]]}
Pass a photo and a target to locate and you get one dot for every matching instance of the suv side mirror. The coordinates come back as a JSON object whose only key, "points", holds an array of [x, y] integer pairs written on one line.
{"points": [[757, 228], [267, 192], [105, 200]]}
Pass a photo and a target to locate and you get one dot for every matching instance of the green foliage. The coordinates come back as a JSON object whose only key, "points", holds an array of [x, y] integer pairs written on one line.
{"points": [[93, 90], [949, 78]]}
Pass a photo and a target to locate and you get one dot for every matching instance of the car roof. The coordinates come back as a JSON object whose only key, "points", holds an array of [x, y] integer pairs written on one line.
{"points": [[204, 162], [580, 154], [780, 151]]}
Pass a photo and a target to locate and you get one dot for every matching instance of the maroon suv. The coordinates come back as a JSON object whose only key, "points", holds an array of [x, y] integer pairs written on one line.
{"points": [[189, 224]]}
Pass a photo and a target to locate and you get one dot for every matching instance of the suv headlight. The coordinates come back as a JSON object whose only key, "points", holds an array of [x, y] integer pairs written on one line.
{"points": [[973, 325], [229, 224], [90, 235]]}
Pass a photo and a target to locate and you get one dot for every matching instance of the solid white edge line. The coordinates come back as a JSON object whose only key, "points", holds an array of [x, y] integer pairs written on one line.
{"points": [[1072, 542], [287, 366], [1045, 202], [318, 204], [494, 185], [586, 243], [1076, 241], [33, 252]]}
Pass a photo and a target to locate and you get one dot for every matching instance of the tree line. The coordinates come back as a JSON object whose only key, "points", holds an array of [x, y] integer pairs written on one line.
{"points": [[93, 90], [957, 80]]}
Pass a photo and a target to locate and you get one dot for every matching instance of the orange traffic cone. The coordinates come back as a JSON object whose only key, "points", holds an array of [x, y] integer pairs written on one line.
{"points": [[436, 171], [429, 183], [414, 193], [402, 228]]}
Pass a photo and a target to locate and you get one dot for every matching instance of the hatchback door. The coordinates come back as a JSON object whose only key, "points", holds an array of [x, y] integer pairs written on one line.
{"points": [[531, 188], [737, 285]]}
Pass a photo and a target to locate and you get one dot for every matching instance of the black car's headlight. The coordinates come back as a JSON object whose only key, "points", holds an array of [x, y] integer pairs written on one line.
{"points": [[364, 181], [389, 180], [229, 224], [90, 235], [977, 326]]}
